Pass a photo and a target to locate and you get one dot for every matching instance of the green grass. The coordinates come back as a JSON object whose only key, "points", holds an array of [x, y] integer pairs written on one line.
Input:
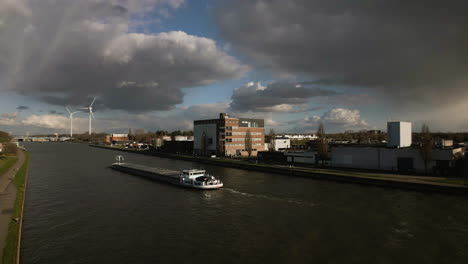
{"points": [[6, 162], [9, 252], [457, 181]]}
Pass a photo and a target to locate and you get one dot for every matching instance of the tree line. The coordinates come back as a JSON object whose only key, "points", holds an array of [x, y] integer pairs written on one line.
{"points": [[8, 148]]}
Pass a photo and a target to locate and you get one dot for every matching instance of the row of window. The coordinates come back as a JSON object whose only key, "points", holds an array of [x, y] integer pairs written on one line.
{"points": [[244, 133], [242, 139], [250, 123], [242, 145]]}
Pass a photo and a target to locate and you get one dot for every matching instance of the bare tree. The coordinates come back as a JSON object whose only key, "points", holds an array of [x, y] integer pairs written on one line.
{"points": [[321, 131], [9, 148], [4, 137], [426, 146], [322, 147], [272, 137], [248, 142]]}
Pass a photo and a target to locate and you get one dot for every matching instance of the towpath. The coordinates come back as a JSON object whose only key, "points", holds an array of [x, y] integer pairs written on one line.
{"points": [[7, 199]]}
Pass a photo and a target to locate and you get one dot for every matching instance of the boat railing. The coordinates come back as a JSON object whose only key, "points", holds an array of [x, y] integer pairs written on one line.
{"points": [[204, 183]]}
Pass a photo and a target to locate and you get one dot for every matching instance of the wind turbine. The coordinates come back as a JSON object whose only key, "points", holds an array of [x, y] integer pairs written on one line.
{"points": [[71, 120], [91, 115]]}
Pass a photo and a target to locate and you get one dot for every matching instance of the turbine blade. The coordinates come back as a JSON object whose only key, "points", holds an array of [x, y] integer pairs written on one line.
{"points": [[93, 101], [68, 110], [92, 114]]}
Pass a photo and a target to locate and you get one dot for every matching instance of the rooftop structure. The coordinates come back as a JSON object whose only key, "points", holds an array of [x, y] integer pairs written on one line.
{"points": [[299, 136], [399, 134]]}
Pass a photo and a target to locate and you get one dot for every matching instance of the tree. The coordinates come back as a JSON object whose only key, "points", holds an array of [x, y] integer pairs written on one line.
{"points": [[272, 137], [4, 137], [248, 143], [321, 131], [426, 146], [203, 143], [9, 149], [322, 147]]}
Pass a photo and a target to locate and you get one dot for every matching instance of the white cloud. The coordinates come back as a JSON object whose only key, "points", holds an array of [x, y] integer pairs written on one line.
{"points": [[334, 120], [344, 117], [9, 119], [47, 121]]}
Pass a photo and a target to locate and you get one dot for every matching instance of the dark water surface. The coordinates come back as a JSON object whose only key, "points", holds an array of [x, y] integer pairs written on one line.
{"points": [[80, 211]]}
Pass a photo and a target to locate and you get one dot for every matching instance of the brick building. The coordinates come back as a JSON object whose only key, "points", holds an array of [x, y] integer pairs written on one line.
{"points": [[117, 139], [226, 136]]}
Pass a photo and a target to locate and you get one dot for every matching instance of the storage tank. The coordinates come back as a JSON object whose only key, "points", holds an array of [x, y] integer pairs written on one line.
{"points": [[399, 134]]}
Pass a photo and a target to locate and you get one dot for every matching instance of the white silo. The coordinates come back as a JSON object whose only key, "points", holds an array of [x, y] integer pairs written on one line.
{"points": [[398, 134]]}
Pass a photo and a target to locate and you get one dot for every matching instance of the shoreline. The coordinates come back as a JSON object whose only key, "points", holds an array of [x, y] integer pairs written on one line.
{"points": [[421, 184], [11, 251]]}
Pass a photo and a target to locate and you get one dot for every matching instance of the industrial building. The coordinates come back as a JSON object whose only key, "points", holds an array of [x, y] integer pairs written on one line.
{"points": [[226, 136], [392, 159], [279, 144], [116, 139], [306, 157], [399, 134], [399, 155]]}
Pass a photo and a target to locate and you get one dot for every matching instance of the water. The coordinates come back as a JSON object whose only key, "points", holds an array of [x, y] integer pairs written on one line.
{"points": [[80, 211]]}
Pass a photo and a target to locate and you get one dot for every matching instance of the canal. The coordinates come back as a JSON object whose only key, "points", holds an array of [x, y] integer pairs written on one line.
{"points": [[80, 211]]}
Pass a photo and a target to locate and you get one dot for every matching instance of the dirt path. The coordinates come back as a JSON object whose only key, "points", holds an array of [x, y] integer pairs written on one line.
{"points": [[7, 199]]}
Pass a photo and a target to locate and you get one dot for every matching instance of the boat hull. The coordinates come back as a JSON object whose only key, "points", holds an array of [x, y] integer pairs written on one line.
{"points": [[161, 175]]}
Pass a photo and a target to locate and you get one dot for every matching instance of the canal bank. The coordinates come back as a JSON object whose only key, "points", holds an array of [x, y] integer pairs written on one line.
{"points": [[12, 208], [416, 183]]}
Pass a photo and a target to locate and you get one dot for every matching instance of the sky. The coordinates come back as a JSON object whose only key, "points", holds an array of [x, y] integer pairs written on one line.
{"points": [[160, 64]]}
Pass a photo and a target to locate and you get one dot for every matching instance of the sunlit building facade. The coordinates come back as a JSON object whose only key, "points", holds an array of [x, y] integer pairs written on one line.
{"points": [[227, 136]]}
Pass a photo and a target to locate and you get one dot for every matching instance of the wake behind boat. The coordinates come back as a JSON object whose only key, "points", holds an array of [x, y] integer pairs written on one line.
{"points": [[193, 178]]}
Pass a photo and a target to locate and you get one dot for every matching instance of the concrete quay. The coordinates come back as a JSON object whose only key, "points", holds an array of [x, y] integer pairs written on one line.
{"points": [[415, 183]]}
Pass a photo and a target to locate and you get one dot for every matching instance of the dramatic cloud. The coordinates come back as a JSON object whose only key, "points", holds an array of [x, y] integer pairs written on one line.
{"points": [[22, 107], [65, 52], [276, 97], [412, 51], [334, 120]]}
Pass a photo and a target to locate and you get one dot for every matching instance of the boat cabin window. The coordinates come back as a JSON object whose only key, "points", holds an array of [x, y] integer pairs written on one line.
{"points": [[192, 173]]}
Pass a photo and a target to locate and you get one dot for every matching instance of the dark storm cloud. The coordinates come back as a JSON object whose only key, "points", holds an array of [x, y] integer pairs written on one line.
{"points": [[412, 50], [276, 97], [22, 107], [66, 52]]}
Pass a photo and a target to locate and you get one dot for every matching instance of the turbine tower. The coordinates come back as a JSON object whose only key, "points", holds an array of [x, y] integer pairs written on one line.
{"points": [[91, 115], [71, 120]]}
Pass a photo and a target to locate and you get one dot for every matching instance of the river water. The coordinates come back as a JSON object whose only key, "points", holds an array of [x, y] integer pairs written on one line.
{"points": [[80, 211]]}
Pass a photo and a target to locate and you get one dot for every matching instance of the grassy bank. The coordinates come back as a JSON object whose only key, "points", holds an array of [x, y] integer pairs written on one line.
{"points": [[11, 247], [6, 162]]}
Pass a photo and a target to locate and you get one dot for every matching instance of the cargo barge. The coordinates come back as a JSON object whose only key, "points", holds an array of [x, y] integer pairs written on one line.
{"points": [[192, 178]]}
